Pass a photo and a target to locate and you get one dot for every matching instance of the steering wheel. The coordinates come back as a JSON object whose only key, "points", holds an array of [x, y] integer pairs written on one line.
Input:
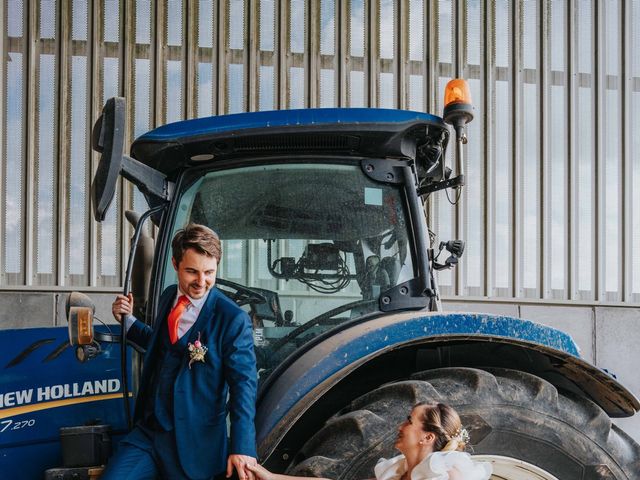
{"points": [[321, 319], [242, 294]]}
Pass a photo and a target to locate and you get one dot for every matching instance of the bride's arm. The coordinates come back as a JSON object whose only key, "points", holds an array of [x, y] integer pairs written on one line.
{"points": [[264, 474], [454, 474]]}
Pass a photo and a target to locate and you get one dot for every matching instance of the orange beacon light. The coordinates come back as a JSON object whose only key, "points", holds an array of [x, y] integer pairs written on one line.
{"points": [[458, 110]]}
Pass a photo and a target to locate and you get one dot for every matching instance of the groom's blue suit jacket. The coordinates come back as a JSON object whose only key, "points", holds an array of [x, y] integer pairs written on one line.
{"points": [[200, 392]]}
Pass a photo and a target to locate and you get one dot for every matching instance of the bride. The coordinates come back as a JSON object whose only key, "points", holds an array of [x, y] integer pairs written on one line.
{"points": [[431, 441]]}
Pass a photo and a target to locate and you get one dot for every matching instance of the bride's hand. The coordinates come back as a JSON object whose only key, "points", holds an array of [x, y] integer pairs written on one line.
{"points": [[260, 472]]}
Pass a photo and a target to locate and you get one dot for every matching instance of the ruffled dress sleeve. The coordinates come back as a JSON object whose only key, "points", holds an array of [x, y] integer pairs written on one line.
{"points": [[391, 469], [438, 465]]}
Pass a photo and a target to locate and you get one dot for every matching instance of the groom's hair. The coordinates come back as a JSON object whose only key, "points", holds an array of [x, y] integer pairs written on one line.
{"points": [[198, 237]]}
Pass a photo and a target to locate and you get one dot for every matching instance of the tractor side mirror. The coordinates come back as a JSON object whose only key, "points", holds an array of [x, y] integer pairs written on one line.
{"points": [[108, 140]]}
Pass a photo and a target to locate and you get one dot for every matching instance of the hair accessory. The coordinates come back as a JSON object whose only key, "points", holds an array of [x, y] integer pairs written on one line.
{"points": [[461, 435]]}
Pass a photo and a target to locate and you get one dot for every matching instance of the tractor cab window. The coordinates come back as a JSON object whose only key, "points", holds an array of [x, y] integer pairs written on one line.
{"points": [[306, 247]]}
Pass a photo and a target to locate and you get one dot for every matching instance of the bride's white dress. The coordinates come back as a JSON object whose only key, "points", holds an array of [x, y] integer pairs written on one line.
{"points": [[436, 466]]}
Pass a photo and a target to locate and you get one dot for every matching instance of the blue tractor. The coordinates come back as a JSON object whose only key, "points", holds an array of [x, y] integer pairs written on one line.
{"points": [[326, 246]]}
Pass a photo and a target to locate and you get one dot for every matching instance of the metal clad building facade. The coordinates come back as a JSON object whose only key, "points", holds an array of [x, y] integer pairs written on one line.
{"points": [[551, 210]]}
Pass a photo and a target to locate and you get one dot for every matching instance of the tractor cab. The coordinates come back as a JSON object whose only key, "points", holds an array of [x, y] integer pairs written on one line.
{"points": [[318, 212]]}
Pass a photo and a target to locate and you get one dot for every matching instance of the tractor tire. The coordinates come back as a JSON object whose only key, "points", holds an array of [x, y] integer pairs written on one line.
{"points": [[509, 414]]}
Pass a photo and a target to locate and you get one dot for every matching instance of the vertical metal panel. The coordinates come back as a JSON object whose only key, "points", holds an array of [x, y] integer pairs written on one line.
{"points": [[235, 54], [142, 90], [250, 71], [516, 138], [414, 33], [45, 147], [431, 58], [488, 116], [313, 22], [544, 32], [173, 58], [528, 151], [220, 41], [325, 53], [15, 59], [30, 142], [599, 155], [64, 28], [501, 194], [267, 72], [295, 81], [205, 59], [402, 52], [555, 138], [60, 207], [343, 36], [76, 123], [609, 162], [473, 213], [632, 200], [283, 39], [3, 133], [626, 169], [356, 66], [386, 53], [572, 128], [584, 265], [372, 48]]}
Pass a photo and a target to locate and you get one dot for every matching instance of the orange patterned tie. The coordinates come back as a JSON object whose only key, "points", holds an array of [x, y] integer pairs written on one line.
{"points": [[173, 320]]}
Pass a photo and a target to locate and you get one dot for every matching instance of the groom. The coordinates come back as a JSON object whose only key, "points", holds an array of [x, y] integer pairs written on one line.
{"points": [[199, 352]]}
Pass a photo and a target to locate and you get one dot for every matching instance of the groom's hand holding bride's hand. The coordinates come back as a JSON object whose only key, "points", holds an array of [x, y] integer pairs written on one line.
{"points": [[260, 472], [241, 464]]}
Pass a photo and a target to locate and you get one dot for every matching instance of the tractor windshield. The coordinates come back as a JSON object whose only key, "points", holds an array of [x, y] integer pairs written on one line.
{"points": [[306, 246]]}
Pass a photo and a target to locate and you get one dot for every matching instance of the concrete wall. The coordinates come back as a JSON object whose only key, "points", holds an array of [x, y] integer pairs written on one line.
{"points": [[607, 336], [20, 309]]}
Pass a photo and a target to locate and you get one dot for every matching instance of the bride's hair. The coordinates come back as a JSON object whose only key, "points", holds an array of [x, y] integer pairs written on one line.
{"points": [[444, 422]]}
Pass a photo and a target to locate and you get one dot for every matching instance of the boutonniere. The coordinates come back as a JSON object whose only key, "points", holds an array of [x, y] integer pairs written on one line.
{"points": [[197, 351]]}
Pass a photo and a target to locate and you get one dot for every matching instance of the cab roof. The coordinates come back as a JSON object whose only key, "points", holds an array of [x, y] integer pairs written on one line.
{"points": [[352, 131]]}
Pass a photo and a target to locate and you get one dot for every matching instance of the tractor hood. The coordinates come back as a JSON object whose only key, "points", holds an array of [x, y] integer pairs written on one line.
{"points": [[360, 132]]}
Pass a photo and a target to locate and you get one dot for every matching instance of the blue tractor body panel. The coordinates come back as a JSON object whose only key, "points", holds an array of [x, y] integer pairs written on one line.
{"points": [[240, 122], [43, 388]]}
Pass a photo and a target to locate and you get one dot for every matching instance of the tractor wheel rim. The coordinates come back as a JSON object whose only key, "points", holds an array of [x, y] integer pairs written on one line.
{"points": [[507, 468]]}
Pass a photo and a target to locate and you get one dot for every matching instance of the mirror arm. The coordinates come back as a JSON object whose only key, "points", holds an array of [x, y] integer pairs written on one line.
{"points": [[154, 184]]}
